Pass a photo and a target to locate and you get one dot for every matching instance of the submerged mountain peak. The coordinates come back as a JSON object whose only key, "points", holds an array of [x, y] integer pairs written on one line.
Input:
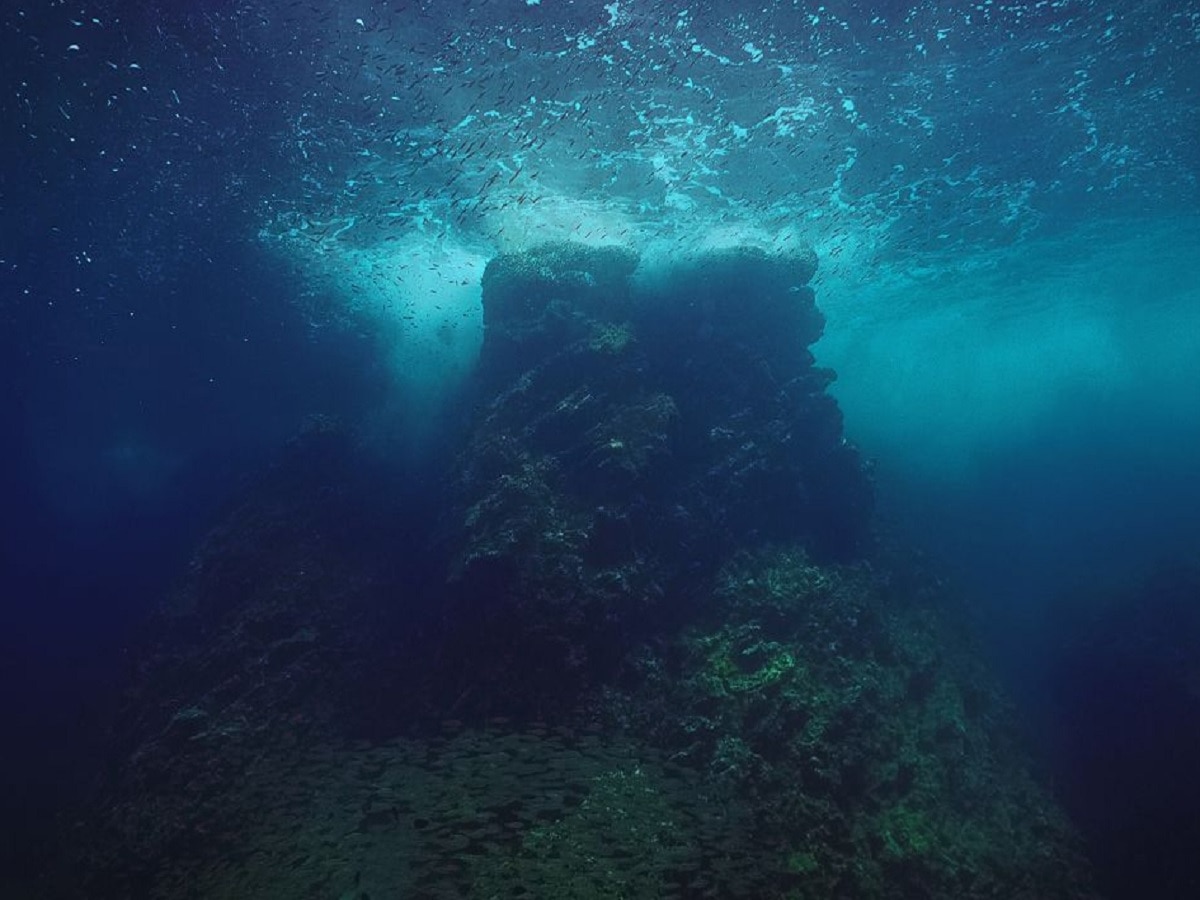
{"points": [[654, 650]]}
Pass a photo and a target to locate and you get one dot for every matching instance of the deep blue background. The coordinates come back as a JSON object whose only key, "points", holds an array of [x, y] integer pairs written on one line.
{"points": [[151, 360], [153, 357]]}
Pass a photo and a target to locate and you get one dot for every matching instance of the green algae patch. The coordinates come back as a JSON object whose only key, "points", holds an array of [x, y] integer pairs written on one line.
{"points": [[741, 663], [611, 338], [873, 744]]}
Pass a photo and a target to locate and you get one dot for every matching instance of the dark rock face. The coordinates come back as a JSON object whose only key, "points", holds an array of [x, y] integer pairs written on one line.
{"points": [[544, 299], [635, 435], [648, 648]]}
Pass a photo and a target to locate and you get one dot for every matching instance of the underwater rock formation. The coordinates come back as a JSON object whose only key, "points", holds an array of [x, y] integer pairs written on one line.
{"points": [[634, 434], [655, 650]]}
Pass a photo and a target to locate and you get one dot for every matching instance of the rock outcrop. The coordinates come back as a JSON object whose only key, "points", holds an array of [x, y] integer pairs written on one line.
{"points": [[647, 646]]}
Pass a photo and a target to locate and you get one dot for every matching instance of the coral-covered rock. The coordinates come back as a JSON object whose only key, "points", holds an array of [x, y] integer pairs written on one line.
{"points": [[636, 431], [640, 652], [880, 757], [542, 299]]}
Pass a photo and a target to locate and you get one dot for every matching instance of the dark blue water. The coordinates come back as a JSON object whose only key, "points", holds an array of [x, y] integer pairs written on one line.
{"points": [[223, 218]]}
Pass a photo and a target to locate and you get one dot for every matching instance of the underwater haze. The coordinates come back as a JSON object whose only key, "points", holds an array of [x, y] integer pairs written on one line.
{"points": [[225, 221]]}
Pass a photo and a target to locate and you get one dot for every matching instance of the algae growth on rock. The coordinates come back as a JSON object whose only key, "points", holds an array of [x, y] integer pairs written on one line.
{"points": [[653, 650]]}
